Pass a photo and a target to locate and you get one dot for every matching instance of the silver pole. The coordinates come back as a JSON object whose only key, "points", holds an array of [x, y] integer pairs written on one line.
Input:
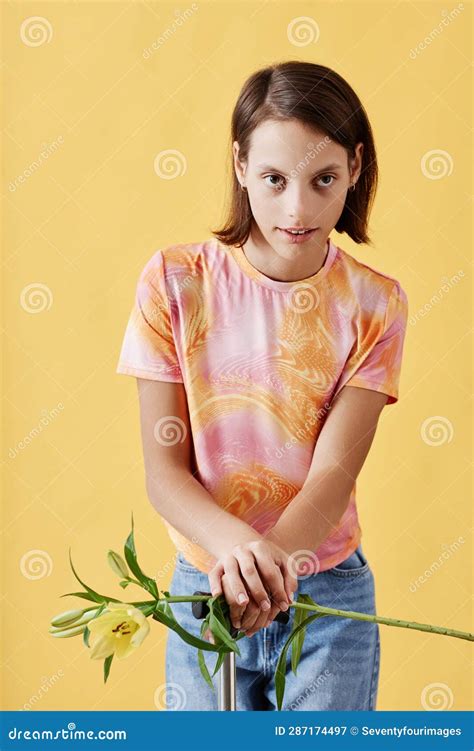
{"points": [[227, 684]]}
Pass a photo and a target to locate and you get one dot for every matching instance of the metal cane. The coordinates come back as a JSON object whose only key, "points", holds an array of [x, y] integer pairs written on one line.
{"points": [[227, 674]]}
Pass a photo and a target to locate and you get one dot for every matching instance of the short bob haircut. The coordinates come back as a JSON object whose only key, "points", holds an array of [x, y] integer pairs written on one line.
{"points": [[319, 97]]}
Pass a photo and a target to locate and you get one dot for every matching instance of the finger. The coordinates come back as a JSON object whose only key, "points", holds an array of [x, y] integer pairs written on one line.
{"points": [[235, 610], [274, 582], [248, 568], [291, 582], [272, 614], [214, 577], [239, 596], [209, 636], [259, 623], [250, 615]]}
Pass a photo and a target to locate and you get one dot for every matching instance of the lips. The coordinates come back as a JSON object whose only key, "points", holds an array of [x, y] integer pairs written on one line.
{"points": [[297, 237], [297, 230]]}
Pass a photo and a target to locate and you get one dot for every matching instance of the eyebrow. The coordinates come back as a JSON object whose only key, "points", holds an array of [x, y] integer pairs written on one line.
{"points": [[334, 165]]}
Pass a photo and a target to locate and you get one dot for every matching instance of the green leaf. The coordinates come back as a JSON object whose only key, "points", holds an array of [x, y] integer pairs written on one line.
{"points": [[124, 584], [219, 626], [219, 661], [131, 558], [204, 670], [107, 664], [86, 596], [164, 614], [297, 643], [94, 596], [202, 662], [280, 672]]}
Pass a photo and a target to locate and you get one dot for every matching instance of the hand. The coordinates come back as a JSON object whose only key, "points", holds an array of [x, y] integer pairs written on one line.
{"points": [[265, 569], [253, 618]]}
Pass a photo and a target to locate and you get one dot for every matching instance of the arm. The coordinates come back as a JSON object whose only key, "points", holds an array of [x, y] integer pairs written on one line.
{"points": [[184, 502], [171, 487], [340, 452]]}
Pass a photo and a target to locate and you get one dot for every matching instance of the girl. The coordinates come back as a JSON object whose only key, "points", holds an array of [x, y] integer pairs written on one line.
{"points": [[264, 356]]}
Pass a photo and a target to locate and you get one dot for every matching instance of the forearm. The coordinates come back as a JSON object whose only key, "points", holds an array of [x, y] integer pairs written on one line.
{"points": [[313, 513], [186, 504]]}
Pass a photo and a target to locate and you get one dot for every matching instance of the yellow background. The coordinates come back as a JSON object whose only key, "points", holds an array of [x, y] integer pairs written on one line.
{"points": [[84, 220]]}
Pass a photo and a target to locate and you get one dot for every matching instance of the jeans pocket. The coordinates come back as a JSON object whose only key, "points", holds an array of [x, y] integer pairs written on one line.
{"points": [[184, 565], [354, 565]]}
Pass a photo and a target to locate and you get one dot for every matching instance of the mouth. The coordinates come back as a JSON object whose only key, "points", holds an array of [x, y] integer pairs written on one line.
{"points": [[297, 234]]}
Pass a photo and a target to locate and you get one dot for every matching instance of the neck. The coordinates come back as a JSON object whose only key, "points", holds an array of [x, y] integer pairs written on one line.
{"points": [[292, 264]]}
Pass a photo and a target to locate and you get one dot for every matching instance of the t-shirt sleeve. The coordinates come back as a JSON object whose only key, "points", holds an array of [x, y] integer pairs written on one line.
{"points": [[377, 364], [148, 348]]}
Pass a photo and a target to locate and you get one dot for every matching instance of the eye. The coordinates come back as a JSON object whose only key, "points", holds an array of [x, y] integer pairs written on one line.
{"points": [[277, 185], [326, 185]]}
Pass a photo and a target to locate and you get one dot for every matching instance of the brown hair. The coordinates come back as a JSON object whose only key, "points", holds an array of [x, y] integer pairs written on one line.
{"points": [[321, 98]]}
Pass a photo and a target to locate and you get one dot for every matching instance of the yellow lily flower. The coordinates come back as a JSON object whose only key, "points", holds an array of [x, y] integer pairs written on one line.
{"points": [[119, 630]]}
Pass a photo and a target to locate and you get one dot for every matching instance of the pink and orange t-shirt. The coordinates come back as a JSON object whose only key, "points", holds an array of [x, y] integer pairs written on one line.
{"points": [[261, 361]]}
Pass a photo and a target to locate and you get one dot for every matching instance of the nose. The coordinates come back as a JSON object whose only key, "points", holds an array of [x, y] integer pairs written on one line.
{"points": [[299, 205]]}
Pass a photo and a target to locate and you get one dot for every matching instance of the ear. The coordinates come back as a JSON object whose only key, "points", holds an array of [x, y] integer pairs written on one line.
{"points": [[239, 166], [356, 162]]}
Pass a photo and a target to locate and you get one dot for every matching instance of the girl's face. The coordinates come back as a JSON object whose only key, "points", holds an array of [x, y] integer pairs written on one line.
{"points": [[295, 177]]}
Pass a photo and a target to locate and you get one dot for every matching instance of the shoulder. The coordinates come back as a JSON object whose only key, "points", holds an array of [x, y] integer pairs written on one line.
{"points": [[368, 284], [177, 259]]}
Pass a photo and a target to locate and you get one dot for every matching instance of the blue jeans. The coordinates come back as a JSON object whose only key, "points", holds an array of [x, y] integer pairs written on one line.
{"points": [[339, 665]]}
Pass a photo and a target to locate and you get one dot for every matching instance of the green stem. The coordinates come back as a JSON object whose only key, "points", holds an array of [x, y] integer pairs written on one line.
{"points": [[388, 621], [341, 614], [332, 611]]}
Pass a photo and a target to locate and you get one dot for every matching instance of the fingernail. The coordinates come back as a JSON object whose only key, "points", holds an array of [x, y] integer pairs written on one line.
{"points": [[284, 605], [242, 599], [238, 624]]}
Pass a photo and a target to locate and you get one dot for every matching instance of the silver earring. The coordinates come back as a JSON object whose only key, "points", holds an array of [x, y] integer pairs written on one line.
{"points": [[352, 187]]}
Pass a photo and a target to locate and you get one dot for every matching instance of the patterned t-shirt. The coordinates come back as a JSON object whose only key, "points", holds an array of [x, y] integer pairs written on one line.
{"points": [[261, 360]]}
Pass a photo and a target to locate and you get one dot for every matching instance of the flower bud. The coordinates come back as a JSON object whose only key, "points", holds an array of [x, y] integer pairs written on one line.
{"points": [[60, 623], [117, 564], [67, 618], [64, 633]]}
